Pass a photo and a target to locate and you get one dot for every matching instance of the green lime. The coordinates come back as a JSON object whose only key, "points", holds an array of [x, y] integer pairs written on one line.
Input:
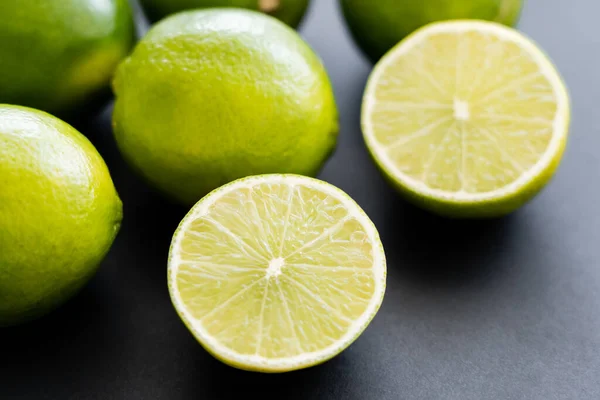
{"points": [[288, 11], [59, 213], [59, 55], [377, 26], [466, 118], [214, 95], [276, 273]]}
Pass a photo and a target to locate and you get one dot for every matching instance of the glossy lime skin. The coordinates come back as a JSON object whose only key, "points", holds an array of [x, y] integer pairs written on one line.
{"points": [[377, 26], [59, 55], [214, 95], [59, 213], [289, 11]]}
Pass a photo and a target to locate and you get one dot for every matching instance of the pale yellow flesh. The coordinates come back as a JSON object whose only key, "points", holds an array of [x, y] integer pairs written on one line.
{"points": [[276, 271], [463, 112]]}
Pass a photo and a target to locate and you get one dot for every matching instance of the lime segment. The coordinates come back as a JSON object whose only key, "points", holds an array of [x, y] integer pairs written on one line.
{"points": [[466, 118], [276, 272]]}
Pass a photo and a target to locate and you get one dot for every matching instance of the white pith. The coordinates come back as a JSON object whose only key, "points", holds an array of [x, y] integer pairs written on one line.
{"points": [[273, 270], [461, 110], [559, 124]]}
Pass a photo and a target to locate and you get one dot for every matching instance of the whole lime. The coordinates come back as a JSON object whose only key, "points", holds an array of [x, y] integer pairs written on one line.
{"points": [[59, 212], [288, 11], [214, 95], [60, 55], [377, 26]]}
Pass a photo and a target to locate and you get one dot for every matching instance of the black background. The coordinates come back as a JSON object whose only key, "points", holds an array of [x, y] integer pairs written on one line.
{"points": [[504, 309]]}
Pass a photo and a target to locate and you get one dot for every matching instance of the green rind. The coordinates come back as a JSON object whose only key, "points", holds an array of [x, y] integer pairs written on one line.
{"points": [[59, 213], [211, 96], [377, 26], [260, 368], [291, 12]]}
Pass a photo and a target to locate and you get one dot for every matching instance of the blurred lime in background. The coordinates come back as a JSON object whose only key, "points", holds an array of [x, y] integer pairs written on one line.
{"points": [[214, 95], [59, 213], [288, 11], [377, 26], [59, 55], [275, 273]]}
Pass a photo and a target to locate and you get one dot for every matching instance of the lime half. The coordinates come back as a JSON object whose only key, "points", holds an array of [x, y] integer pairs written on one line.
{"points": [[275, 273], [466, 118]]}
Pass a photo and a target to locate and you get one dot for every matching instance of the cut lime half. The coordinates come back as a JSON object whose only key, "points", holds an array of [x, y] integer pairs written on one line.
{"points": [[276, 272], [466, 118]]}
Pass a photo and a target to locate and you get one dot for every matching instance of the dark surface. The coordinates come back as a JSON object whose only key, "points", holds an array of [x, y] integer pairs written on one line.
{"points": [[505, 309]]}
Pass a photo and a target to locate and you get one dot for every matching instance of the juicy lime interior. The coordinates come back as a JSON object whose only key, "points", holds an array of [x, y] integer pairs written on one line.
{"points": [[462, 111], [276, 270]]}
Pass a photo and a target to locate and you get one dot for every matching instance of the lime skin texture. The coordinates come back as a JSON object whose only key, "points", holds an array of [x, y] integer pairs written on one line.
{"points": [[541, 109], [376, 26], [214, 95], [60, 55], [59, 213], [290, 12]]}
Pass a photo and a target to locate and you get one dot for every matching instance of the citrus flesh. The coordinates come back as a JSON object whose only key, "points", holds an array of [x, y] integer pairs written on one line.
{"points": [[60, 55], [59, 213], [377, 26], [466, 118], [276, 272], [288, 11], [214, 95]]}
